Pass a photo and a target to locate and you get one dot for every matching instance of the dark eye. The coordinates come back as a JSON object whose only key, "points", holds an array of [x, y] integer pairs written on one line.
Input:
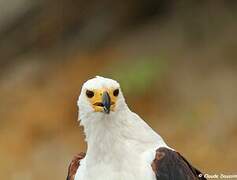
{"points": [[116, 92], [89, 93]]}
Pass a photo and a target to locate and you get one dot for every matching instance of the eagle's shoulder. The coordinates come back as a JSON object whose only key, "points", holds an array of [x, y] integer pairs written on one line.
{"points": [[74, 164], [170, 165]]}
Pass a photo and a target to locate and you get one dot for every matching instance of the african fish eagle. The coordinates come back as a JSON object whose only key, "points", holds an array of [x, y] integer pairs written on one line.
{"points": [[120, 145]]}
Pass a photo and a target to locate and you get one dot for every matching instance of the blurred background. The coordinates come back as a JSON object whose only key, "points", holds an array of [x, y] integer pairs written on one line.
{"points": [[175, 60]]}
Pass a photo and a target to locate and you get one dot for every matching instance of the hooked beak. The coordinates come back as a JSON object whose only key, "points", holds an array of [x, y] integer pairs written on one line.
{"points": [[106, 101]]}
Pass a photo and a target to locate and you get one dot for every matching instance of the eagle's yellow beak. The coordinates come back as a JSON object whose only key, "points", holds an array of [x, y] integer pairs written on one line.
{"points": [[102, 100]]}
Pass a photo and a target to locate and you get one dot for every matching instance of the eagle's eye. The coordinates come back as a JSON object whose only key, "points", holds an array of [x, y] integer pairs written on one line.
{"points": [[116, 92], [89, 93]]}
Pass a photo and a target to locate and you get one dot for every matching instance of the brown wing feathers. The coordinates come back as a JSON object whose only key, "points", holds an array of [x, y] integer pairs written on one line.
{"points": [[75, 163], [170, 165]]}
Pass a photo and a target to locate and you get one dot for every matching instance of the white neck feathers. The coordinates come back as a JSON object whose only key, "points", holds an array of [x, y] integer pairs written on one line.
{"points": [[122, 131]]}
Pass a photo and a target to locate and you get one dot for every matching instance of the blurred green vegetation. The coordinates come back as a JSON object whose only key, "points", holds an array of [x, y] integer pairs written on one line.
{"points": [[138, 74]]}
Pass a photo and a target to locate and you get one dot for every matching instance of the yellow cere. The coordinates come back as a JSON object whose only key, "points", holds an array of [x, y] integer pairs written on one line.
{"points": [[96, 100]]}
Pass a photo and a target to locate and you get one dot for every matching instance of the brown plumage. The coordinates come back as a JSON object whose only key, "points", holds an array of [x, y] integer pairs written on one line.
{"points": [[75, 163], [170, 165]]}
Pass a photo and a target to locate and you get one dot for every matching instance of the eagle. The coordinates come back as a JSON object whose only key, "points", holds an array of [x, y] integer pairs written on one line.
{"points": [[120, 144]]}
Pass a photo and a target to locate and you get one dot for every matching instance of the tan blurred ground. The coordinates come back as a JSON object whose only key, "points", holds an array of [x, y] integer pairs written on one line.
{"points": [[183, 85]]}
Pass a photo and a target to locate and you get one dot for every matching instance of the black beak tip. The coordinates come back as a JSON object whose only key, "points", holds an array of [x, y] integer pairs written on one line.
{"points": [[107, 111]]}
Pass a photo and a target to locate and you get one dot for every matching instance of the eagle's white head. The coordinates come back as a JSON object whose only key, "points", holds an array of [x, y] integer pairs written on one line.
{"points": [[100, 98]]}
